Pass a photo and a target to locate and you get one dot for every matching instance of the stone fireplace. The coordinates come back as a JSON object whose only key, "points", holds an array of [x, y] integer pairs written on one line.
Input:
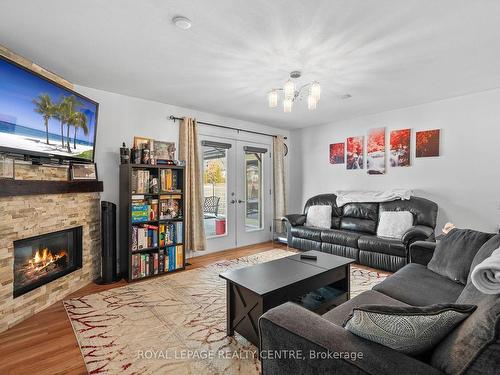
{"points": [[24, 222], [42, 259]]}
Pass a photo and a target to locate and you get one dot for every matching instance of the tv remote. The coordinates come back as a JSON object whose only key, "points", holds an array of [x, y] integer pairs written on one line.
{"points": [[305, 256]]}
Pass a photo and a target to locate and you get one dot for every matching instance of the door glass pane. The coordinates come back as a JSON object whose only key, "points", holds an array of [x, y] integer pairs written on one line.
{"points": [[253, 198], [214, 191]]}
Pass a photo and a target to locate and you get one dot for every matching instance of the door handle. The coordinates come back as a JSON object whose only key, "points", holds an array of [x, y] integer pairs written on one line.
{"points": [[232, 201], [240, 201]]}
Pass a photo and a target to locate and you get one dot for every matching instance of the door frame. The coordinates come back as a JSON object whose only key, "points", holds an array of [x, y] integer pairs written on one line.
{"points": [[230, 136]]}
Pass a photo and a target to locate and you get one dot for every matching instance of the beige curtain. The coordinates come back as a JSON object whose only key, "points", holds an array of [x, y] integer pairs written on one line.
{"points": [[189, 152], [279, 179]]}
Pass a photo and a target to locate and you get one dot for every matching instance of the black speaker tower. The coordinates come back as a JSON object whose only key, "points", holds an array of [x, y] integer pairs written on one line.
{"points": [[109, 261]]}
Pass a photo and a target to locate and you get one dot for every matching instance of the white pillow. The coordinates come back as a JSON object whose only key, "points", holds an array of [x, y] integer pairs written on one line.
{"points": [[394, 223], [319, 216]]}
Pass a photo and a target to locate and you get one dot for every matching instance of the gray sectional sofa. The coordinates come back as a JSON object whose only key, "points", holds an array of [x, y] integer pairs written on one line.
{"points": [[473, 347], [353, 232]]}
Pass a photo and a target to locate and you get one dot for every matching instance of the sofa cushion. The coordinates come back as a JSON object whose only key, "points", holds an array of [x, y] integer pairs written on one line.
{"points": [[340, 313], [358, 225], [473, 346], [394, 224], [423, 210], [384, 245], [340, 237], [416, 285], [319, 216], [326, 199], [309, 233], [361, 210], [454, 253], [408, 329], [360, 217]]}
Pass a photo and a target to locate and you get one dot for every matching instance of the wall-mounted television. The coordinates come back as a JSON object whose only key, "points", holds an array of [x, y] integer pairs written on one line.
{"points": [[42, 119]]}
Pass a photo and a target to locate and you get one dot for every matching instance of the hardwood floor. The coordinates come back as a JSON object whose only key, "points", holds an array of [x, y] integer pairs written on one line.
{"points": [[45, 343]]}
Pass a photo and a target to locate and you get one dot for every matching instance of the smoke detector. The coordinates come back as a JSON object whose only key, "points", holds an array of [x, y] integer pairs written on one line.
{"points": [[295, 74], [182, 22]]}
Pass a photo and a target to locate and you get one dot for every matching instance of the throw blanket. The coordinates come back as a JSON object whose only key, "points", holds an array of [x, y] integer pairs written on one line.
{"points": [[344, 197], [486, 275]]}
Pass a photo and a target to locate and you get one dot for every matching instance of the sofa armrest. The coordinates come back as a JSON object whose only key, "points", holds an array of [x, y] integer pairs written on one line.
{"points": [[293, 220], [296, 220], [421, 252], [417, 233], [294, 340]]}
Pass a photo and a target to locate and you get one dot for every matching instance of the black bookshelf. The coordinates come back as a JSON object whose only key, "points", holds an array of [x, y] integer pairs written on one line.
{"points": [[125, 216]]}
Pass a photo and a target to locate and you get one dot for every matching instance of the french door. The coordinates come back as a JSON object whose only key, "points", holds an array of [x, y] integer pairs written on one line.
{"points": [[237, 192]]}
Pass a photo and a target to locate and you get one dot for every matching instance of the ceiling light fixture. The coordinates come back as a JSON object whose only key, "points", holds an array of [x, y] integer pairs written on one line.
{"points": [[182, 22], [292, 94]]}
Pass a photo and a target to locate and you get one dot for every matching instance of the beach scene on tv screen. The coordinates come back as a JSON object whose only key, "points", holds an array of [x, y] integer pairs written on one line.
{"points": [[38, 116]]}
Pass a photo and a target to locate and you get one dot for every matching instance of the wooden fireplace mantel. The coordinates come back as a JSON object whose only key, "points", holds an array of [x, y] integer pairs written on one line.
{"points": [[10, 188]]}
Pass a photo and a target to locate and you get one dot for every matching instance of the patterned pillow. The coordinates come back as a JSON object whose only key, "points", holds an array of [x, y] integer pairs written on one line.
{"points": [[408, 329]]}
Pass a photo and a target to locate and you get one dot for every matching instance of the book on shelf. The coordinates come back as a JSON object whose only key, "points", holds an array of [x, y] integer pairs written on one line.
{"points": [[161, 261], [178, 232], [168, 181], [144, 210], [144, 236], [167, 234], [140, 181], [175, 257], [155, 263]]}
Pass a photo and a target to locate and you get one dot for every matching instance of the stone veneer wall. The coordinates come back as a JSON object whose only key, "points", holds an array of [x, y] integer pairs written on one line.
{"points": [[31, 215]]}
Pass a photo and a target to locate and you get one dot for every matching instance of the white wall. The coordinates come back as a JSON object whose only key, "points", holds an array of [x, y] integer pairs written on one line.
{"points": [[464, 181], [123, 117]]}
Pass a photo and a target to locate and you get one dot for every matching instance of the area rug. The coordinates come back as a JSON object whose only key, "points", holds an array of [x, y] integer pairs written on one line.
{"points": [[174, 324]]}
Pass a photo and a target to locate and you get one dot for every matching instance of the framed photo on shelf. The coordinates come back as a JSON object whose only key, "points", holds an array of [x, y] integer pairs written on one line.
{"points": [[164, 150], [6, 167], [82, 172], [142, 142]]}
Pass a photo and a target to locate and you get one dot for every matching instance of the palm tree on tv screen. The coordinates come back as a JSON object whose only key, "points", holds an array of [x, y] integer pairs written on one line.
{"points": [[45, 107], [60, 114], [79, 121], [67, 111]]}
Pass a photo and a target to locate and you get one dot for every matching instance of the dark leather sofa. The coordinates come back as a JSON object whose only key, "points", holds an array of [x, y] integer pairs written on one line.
{"points": [[353, 233], [320, 345]]}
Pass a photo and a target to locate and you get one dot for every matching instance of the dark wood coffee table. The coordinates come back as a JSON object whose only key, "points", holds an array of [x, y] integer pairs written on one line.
{"points": [[251, 291]]}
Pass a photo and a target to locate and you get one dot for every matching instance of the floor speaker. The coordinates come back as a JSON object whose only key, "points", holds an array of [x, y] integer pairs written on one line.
{"points": [[108, 244]]}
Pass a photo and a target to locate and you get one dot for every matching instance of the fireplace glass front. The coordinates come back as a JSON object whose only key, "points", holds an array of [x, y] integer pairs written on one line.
{"points": [[41, 259]]}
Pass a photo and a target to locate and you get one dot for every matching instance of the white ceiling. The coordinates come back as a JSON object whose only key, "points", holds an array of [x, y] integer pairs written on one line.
{"points": [[387, 54]]}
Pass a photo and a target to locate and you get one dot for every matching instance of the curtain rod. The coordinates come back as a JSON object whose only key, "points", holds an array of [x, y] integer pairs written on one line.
{"points": [[173, 118]]}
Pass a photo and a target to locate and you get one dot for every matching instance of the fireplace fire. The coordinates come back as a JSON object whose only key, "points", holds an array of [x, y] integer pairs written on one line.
{"points": [[39, 260]]}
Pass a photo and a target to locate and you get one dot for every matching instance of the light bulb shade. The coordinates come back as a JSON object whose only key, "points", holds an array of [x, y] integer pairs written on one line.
{"points": [[287, 105], [272, 98], [289, 89], [311, 102], [315, 90]]}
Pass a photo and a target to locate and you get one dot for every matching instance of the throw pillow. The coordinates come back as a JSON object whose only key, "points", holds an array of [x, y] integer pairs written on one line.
{"points": [[454, 253], [319, 216], [408, 329], [394, 224]]}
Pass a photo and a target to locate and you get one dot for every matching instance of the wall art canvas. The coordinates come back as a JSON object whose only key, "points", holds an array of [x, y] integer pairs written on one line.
{"points": [[400, 148], [375, 147], [428, 143], [355, 150], [337, 153]]}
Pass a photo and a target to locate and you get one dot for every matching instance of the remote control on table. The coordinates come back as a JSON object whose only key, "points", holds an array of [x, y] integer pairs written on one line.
{"points": [[305, 256]]}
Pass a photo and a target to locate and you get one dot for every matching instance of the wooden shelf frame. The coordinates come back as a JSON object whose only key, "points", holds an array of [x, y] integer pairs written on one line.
{"points": [[126, 223]]}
